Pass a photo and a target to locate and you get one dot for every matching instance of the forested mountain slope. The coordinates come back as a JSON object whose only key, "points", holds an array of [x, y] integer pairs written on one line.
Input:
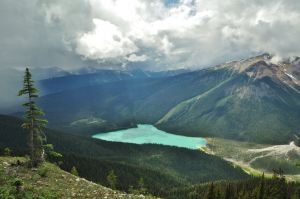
{"points": [[259, 102], [251, 100], [161, 167]]}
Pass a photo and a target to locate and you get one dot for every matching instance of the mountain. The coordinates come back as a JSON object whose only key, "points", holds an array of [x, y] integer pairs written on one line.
{"points": [[162, 167], [259, 102], [55, 79], [251, 100], [94, 76], [125, 103], [11, 81]]}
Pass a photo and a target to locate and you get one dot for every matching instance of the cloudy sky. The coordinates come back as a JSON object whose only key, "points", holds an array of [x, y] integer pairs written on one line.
{"points": [[156, 34]]}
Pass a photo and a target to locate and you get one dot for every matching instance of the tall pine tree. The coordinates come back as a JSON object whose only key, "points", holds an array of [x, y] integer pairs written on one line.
{"points": [[228, 193], [33, 122], [261, 190], [211, 192]]}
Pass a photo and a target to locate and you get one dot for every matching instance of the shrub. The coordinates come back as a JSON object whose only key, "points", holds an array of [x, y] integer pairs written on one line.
{"points": [[112, 179], [5, 193], [49, 150], [18, 183], [47, 194], [7, 151], [43, 171], [74, 171]]}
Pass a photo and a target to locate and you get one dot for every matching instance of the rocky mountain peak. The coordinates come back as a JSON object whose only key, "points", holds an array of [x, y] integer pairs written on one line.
{"points": [[286, 71]]}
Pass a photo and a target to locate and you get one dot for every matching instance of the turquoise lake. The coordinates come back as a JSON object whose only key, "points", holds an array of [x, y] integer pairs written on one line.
{"points": [[149, 134]]}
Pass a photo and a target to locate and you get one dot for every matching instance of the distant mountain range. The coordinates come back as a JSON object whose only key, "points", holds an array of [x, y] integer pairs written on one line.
{"points": [[252, 100], [93, 76]]}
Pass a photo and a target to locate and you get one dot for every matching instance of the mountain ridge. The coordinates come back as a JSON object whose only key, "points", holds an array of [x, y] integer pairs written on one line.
{"points": [[254, 83], [236, 97]]}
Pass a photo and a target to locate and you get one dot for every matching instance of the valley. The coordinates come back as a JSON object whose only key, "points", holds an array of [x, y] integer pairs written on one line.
{"points": [[256, 159], [237, 103], [176, 131], [162, 167], [248, 100]]}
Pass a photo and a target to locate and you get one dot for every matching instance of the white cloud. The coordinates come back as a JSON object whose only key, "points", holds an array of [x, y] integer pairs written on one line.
{"points": [[190, 33], [106, 41], [137, 58]]}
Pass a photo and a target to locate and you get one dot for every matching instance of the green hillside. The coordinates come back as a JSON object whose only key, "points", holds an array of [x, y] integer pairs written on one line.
{"points": [[162, 167], [125, 103], [49, 182], [240, 108]]}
